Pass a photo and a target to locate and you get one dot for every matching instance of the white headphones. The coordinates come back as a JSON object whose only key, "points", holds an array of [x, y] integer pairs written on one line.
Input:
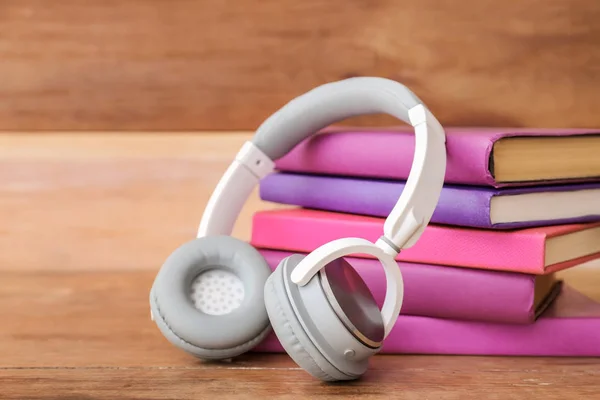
{"points": [[318, 306]]}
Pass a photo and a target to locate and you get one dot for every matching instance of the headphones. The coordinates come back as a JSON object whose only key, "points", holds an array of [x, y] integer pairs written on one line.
{"points": [[215, 297]]}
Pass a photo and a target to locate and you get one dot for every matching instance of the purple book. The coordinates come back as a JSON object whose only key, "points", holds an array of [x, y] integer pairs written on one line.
{"points": [[569, 327], [469, 206], [495, 157], [448, 292]]}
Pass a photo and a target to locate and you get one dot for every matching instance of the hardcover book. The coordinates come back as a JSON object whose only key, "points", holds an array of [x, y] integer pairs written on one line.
{"points": [[537, 250], [469, 206], [449, 292], [569, 327], [475, 156]]}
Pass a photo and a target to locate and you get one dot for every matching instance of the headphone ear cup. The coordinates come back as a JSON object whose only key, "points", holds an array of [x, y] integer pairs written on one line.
{"points": [[226, 322], [289, 330], [331, 326]]}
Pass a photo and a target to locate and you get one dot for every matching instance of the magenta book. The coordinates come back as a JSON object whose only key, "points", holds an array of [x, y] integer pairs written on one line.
{"points": [[448, 292], [538, 250], [569, 327], [494, 157]]}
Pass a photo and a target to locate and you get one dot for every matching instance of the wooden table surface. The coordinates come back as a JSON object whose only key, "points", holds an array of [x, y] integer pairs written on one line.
{"points": [[87, 221]]}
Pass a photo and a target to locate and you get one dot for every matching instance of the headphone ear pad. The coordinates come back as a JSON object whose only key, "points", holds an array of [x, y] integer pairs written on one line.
{"points": [[210, 334], [290, 332]]}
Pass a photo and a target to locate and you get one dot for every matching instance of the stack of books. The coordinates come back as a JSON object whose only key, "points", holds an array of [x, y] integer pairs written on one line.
{"points": [[517, 206]]}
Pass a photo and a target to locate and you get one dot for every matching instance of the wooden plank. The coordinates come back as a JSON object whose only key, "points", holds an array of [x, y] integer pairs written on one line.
{"points": [[200, 64], [87, 334], [572, 380]]}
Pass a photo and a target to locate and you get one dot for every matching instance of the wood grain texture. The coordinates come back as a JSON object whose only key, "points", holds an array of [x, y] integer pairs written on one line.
{"points": [[201, 64], [87, 335], [110, 201]]}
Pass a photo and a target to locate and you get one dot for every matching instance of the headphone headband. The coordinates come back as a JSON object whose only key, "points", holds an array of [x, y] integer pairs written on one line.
{"points": [[330, 103], [317, 109]]}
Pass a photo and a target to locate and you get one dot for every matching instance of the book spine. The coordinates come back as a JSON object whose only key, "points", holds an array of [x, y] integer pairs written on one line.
{"points": [[387, 154], [552, 337], [306, 230], [448, 292], [460, 206]]}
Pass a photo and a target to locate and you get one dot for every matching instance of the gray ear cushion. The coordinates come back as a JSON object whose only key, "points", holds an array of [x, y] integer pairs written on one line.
{"points": [[204, 335], [291, 335], [197, 351]]}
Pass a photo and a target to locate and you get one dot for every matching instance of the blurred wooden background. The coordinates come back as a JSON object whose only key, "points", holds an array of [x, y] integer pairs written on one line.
{"points": [[222, 64]]}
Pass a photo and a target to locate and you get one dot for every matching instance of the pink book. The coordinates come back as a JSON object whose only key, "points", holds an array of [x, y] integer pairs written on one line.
{"points": [[569, 327], [496, 157], [537, 250], [448, 292]]}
